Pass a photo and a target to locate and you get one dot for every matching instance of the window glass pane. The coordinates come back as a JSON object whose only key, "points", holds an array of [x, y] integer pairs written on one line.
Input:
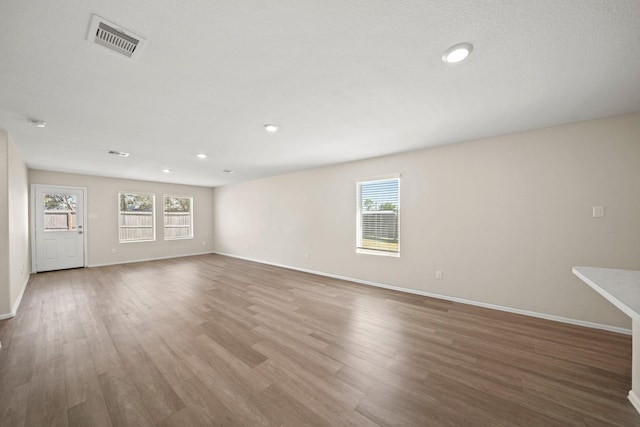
{"points": [[178, 217], [378, 215], [136, 217], [60, 212]]}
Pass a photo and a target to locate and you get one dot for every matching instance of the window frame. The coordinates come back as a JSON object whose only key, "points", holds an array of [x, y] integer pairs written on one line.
{"points": [[359, 227], [153, 217], [71, 224], [164, 215]]}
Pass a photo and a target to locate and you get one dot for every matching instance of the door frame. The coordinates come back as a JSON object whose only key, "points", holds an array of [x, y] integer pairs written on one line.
{"points": [[32, 214]]}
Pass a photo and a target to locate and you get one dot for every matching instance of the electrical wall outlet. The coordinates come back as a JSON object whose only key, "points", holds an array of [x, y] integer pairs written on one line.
{"points": [[598, 211], [438, 275]]}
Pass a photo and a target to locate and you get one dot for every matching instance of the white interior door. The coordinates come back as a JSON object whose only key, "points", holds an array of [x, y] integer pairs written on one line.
{"points": [[59, 234]]}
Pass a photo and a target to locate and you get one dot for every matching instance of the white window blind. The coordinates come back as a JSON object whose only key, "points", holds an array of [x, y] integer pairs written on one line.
{"points": [[378, 216]]}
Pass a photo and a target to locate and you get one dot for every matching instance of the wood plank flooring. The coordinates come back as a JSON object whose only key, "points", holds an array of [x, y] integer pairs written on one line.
{"points": [[215, 341]]}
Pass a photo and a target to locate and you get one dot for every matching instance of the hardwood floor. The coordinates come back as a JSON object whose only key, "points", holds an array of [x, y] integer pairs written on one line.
{"points": [[210, 340]]}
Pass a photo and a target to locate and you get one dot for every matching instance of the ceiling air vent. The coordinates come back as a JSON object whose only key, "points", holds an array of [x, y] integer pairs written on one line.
{"points": [[114, 37], [118, 153]]}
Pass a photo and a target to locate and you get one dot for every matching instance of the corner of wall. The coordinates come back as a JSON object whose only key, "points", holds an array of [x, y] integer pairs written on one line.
{"points": [[14, 221], [5, 297]]}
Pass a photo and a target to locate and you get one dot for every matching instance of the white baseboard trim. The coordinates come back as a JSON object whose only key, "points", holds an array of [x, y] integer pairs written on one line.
{"points": [[16, 304], [552, 317], [147, 259], [633, 398]]}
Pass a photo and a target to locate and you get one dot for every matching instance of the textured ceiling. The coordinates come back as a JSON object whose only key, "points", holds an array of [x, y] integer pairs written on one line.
{"points": [[344, 80]]}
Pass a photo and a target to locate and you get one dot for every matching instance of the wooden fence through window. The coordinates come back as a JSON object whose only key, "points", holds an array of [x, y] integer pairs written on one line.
{"points": [[133, 225], [59, 220]]}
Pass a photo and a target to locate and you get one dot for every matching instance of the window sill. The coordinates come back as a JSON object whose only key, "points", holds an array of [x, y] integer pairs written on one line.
{"points": [[379, 253]]}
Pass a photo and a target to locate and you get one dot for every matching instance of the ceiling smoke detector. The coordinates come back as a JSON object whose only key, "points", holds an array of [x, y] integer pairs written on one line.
{"points": [[115, 38], [118, 153]]}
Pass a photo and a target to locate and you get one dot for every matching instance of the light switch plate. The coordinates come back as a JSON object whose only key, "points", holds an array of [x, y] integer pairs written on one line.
{"points": [[598, 211]]}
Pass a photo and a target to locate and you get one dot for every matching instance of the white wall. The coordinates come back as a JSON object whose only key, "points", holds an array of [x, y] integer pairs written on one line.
{"points": [[504, 218], [5, 300], [14, 226], [19, 249], [102, 232]]}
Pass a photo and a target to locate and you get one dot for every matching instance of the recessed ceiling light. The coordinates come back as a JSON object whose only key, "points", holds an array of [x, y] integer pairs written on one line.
{"points": [[457, 53], [271, 128], [228, 171], [166, 170], [36, 123], [201, 155]]}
